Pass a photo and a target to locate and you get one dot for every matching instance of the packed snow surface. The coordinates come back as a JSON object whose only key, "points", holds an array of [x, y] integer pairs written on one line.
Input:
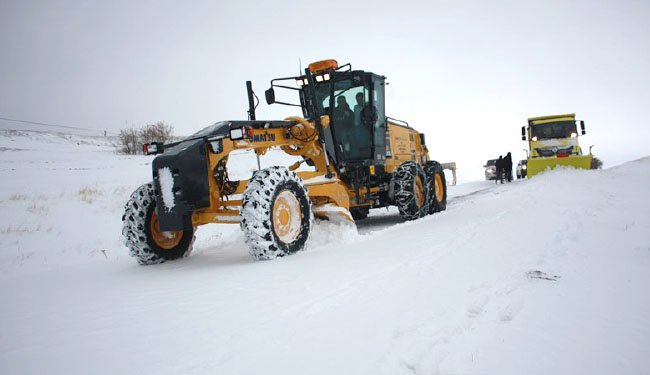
{"points": [[543, 276]]}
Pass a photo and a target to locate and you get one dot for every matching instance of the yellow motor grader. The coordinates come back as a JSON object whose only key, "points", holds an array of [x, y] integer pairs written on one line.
{"points": [[358, 159]]}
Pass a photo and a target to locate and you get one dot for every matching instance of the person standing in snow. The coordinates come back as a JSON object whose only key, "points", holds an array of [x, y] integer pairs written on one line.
{"points": [[507, 166], [499, 165]]}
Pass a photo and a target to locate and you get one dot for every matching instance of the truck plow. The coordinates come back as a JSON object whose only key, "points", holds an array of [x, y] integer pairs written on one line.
{"points": [[537, 165]]}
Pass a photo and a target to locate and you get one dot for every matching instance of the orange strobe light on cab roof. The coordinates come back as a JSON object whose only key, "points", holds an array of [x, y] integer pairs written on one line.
{"points": [[323, 65]]}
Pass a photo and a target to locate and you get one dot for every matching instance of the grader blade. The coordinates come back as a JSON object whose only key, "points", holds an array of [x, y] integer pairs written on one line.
{"points": [[334, 214]]}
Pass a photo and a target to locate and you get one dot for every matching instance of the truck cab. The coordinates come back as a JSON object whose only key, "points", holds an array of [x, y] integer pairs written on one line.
{"points": [[553, 141]]}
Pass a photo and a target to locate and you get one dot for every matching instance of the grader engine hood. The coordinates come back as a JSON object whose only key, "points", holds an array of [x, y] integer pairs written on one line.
{"points": [[180, 177]]}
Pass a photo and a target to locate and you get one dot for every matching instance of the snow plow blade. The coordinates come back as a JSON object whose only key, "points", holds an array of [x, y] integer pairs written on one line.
{"points": [[537, 165], [334, 214]]}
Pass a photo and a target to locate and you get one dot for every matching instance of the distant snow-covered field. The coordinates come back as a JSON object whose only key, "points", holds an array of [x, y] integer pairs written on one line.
{"points": [[547, 275]]}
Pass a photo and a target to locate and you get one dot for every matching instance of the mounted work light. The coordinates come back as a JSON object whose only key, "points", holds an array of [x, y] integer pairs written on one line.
{"points": [[323, 65]]}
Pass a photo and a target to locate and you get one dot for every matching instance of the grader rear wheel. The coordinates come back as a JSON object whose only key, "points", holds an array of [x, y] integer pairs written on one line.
{"points": [[437, 186], [411, 191]]}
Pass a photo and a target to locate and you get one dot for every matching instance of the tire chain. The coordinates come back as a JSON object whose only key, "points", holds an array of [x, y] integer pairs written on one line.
{"points": [[256, 211], [405, 185], [133, 226]]}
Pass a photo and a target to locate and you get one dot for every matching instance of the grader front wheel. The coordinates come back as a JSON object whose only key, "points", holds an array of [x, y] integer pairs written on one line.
{"points": [[276, 214], [142, 234]]}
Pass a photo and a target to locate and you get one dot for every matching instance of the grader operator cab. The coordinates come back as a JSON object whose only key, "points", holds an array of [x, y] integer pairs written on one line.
{"points": [[359, 159]]}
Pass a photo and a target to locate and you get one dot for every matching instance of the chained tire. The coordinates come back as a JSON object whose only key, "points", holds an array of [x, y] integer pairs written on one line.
{"points": [[411, 191], [142, 235], [276, 213], [437, 186]]}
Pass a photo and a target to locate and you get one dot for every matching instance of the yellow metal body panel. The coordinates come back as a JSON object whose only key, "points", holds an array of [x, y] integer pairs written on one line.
{"points": [[536, 165], [405, 145], [334, 192]]}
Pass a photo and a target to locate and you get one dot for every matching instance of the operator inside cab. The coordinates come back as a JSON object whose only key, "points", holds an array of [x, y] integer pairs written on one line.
{"points": [[343, 122], [354, 100]]}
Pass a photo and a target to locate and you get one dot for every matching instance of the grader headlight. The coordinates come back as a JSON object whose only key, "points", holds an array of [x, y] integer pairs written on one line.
{"points": [[236, 134], [323, 77]]}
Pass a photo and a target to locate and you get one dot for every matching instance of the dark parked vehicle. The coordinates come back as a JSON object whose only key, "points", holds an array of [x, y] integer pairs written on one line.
{"points": [[521, 169], [491, 169]]}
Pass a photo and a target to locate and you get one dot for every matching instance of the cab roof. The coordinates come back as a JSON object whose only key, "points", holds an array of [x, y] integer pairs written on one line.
{"points": [[552, 118]]}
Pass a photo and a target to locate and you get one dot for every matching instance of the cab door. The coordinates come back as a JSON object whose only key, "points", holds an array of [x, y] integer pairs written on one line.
{"points": [[377, 102], [363, 138], [351, 134]]}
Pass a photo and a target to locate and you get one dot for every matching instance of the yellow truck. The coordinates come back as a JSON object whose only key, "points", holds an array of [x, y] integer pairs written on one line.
{"points": [[552, 142]]}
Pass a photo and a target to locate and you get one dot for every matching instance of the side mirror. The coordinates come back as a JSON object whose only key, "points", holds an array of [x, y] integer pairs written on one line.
{"points": [[523, 133], [270, 96], [582, 126], [368, 115]]}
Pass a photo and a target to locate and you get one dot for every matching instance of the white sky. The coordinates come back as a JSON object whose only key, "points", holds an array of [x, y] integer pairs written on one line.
{"points": [[466, 73]]}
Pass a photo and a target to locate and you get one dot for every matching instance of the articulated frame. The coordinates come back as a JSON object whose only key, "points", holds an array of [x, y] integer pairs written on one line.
{"points": [[328, 195]]}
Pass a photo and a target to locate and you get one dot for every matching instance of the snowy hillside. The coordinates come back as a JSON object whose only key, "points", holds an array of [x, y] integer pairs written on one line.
{"points": [[548, 275]]}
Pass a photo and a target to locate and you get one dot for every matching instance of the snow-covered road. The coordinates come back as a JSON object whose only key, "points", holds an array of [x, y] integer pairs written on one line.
{"points": [[548, 275]]}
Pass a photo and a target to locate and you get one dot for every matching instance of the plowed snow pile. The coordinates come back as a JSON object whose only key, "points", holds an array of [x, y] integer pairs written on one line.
{"points": [[544, 276]]}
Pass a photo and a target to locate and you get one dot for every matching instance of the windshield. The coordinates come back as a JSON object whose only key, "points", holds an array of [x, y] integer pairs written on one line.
{"points": [[491, 163], [553, 130]]}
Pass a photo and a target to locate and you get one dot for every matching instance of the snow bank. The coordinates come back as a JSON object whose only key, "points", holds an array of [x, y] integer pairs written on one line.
{"points": [[547, 275]]}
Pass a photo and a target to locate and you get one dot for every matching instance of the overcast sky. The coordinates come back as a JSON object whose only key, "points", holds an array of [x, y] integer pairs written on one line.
{"points": [[466, 73]]}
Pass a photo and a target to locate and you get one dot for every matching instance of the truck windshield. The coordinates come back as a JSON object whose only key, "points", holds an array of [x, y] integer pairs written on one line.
{"points": [[554, 130]]}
